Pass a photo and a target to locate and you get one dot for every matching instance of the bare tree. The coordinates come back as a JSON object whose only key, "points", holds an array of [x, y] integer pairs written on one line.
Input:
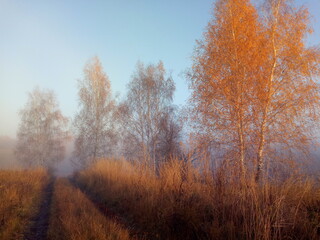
{"points": [[93, 125], [146, 113], [42, 131]]}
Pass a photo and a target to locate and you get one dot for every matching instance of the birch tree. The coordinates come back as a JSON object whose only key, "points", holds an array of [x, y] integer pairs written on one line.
{"points": [[147, 105], [288, 92], [222, 79], [42, 131], [93, 125], [253, 81]]}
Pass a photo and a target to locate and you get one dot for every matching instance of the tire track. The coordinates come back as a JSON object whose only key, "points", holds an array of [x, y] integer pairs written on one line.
{"points": [[40, 221]]}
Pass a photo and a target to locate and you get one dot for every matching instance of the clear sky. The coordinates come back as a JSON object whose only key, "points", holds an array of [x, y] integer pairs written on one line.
{"points": [[46, 43]]}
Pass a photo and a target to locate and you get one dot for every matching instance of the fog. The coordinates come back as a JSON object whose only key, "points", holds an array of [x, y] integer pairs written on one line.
{"points": [[65, 167], [7, 158], [9, 161]]}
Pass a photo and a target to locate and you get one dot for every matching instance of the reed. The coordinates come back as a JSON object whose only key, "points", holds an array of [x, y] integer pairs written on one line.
{"points": [[183, 202]]}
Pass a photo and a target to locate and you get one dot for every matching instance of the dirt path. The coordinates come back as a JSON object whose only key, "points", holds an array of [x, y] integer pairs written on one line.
{"points": [[40, 222]]}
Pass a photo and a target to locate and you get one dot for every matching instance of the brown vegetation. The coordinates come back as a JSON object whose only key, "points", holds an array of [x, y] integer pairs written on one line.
{"points": [[20, 196], [73, 216], [183, 203]]}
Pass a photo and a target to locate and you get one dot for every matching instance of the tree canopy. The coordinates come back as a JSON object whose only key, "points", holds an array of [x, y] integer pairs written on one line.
{"points": [[42, 131], [93, 124], [253, 81]]}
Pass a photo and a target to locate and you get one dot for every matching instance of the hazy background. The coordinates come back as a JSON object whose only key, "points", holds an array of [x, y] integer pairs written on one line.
{"points": [[47, 43]]}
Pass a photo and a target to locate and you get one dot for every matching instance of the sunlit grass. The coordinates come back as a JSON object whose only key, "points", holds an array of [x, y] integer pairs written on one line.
{"points": [[181, 203], [20, 196], [74, 216]]}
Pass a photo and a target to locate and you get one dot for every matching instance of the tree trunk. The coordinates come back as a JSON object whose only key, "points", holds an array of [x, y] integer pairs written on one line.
{"points": [[239, 107], [259, 167]]}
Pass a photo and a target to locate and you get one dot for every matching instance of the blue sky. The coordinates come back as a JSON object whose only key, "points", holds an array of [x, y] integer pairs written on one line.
{"points": [[47, 43]]}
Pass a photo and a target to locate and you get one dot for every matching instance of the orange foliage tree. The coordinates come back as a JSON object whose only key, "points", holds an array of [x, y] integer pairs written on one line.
{"points": [[253, 82], [94, 127]]}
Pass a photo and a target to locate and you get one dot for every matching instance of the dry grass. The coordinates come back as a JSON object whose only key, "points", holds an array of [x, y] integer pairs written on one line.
{"points": [[181, 203], [74, 217], [20, 196]]}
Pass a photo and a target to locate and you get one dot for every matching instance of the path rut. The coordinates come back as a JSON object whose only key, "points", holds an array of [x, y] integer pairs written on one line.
{"points": [[40, 222]]}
